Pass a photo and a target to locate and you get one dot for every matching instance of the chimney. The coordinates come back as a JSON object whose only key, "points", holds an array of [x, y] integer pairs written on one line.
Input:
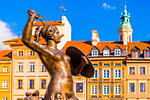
{"points": [[95, 38]]}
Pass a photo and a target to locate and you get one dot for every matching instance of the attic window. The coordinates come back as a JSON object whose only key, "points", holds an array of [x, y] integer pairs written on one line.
{"points": [[105, 52], [94, 52], [117, 52], [147, 54], [135, 54]]}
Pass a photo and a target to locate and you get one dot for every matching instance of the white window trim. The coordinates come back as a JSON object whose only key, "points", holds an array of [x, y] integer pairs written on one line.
{"points": [[106, 73], [4, 84], [106, 52], [5, 69], [43, 68], [117, 90], [32, 53], [94, 74], [4, 98], [106, 89], [21, 67], [129, 69], [117, 51], [117, 73], [93, 86], [145, 70], [93, 53], [33, 68]]}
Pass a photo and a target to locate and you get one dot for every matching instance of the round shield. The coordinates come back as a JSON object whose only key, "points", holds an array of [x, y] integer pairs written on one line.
{"points": [[75, 54]]}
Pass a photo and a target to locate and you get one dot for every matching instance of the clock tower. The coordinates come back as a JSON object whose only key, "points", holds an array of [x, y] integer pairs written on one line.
{"points": [[125, 30]]}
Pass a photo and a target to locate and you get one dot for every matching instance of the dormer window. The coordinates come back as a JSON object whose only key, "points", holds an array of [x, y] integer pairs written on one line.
{"points": [[94, 52], [147, 54], [135, 54], [106, 52], [117, 52]]}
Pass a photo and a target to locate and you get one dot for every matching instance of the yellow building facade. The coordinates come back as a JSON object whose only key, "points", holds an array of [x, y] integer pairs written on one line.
{"points": [[5, 75]]}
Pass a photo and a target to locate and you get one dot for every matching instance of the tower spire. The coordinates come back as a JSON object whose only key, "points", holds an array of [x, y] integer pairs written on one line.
{"points": [[125, 30]]}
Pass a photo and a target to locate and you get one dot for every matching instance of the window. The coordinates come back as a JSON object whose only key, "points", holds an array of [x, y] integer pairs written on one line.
{"points": [[94, 52], [106, 74], [31, 84], [106, 89], [4, 84], [19, 84], [132, 70], [135, 54], [20, 67], [142, 70], [117, 64], [117, 52], [105, 52], [43, 84], [147, 54], [117, 89], [106, 64], [94, 89], [95, 64], [4, 99], [31, 67], [142, 87], [32, 53], [117, 73], [95, 74], [132, 87], [20, 53], [43, 68], [5, 69], [79, 87]]}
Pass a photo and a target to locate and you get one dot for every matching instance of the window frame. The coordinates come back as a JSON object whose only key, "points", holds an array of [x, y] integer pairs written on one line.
{"points": [[95, 74], [31, 84], [117, 53], [20, 53], [131, 87], [94, 53], [5, 68], [106, 52], [141, 87], [32, 67], [20, 86], [143, 71], [106, 73], [20, 67], [93, 89], [78, 87], [117, 73], [107, 89], [43, 85], [43, 68], [117, 89], [4, 84]]}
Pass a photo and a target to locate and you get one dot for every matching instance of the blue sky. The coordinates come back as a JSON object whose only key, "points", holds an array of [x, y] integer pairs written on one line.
{"points": [[83, 15]]}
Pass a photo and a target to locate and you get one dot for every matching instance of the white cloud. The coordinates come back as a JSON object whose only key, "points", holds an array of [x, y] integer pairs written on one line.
{"points": [[106, 6], [5, 33]]}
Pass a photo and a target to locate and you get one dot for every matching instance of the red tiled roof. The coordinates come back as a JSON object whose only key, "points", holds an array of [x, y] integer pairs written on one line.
{"points": [[48, 23], [141, 45], [4, 54], [86, 46], [111, 45], [13, 40]]}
